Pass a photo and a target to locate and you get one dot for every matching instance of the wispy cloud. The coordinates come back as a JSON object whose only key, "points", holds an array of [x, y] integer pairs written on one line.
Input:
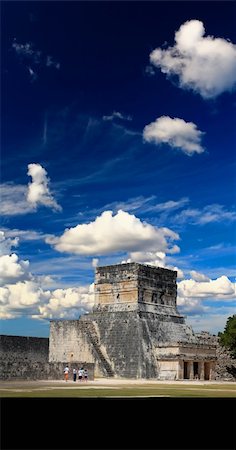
{"points": [[13, 200], [176, 133], [117, 115], [33, 59], [206, 65], [208, 214], [24, 235]]}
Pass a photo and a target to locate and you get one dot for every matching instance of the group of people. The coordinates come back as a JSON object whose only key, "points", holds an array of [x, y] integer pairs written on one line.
{"points": [[82, 374]]}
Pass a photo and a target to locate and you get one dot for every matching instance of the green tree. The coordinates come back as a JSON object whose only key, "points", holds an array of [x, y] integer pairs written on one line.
{"points": [[228, 337]]}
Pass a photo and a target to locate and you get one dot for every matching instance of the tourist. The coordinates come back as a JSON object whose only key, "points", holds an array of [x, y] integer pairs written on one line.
{"points": [[80, 373], [66, 373], [85, 375], [74, 374]]}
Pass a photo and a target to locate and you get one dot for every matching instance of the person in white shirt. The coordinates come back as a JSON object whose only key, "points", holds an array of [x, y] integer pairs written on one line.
{"points": [[85, 375], [66, 373], [74, 374], [80, 373]]}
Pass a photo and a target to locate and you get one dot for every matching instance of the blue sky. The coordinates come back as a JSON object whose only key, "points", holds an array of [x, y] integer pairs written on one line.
{"points": [[118, 144]]}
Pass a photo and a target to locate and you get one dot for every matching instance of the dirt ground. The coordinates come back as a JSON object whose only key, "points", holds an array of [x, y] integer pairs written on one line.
{"points": [[110, 382], [119, 386]]}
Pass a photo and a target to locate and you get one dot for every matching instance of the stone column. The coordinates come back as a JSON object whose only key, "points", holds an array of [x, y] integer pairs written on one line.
{"points": [[210, 371], [213, 368], [201, 370], [190, 370], [181, 370]]}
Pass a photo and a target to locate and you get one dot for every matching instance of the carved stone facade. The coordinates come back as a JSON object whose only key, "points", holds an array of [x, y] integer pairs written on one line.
{"points": [[135, 329]]}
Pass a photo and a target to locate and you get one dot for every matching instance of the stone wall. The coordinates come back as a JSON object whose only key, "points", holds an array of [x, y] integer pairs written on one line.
{"points": [[24, 347], [24, 357], [38, 370]]}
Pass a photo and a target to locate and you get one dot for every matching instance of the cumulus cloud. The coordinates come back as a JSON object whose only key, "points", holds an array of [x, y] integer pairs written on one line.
{"points": [[192, 293], [38, 190], [19, 199], [220, 288], [33, 59], [196, 276], [204, 64], [108, 234], [28, 297], [70, 302], [6, 243], [12, 269], [22, 293], [176, 133], [155, 259]]}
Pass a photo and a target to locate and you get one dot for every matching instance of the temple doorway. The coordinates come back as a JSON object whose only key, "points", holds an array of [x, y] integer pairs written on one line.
{"points": [[186, 372], [207, 371], [195, 370]]}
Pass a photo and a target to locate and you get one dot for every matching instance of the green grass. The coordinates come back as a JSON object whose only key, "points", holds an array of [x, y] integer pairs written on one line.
{"points": [[222, 390]]}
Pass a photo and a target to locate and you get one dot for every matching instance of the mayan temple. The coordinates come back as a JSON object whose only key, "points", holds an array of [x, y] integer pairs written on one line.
{"points": [[135, 329]]}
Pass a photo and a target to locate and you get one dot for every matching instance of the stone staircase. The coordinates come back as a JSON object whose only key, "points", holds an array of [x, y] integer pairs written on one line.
{"points": [[90, 331]]}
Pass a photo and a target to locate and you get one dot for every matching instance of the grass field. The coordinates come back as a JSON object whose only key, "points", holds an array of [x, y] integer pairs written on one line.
{"points": [[59, 389]]}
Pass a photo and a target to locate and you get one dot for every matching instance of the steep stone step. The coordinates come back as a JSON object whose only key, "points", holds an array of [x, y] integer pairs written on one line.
{"points": [[92, 335]]}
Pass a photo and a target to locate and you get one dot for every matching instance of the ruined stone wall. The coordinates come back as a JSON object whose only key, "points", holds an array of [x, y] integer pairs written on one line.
{"points": [[19, 369], [25, 347], [25, 357]]}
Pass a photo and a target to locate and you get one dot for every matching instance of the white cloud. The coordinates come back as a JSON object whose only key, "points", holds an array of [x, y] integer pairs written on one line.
{"points": [[29, 298], [6, 243], [176, 133], [109, 234], [191, 295], [221, 288], [95, 262], [156, 259], [18, 199], [12, 269], [22, 293], [207, 65], [68, 302], [196, 276], [38, 191], [117, 115]]}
